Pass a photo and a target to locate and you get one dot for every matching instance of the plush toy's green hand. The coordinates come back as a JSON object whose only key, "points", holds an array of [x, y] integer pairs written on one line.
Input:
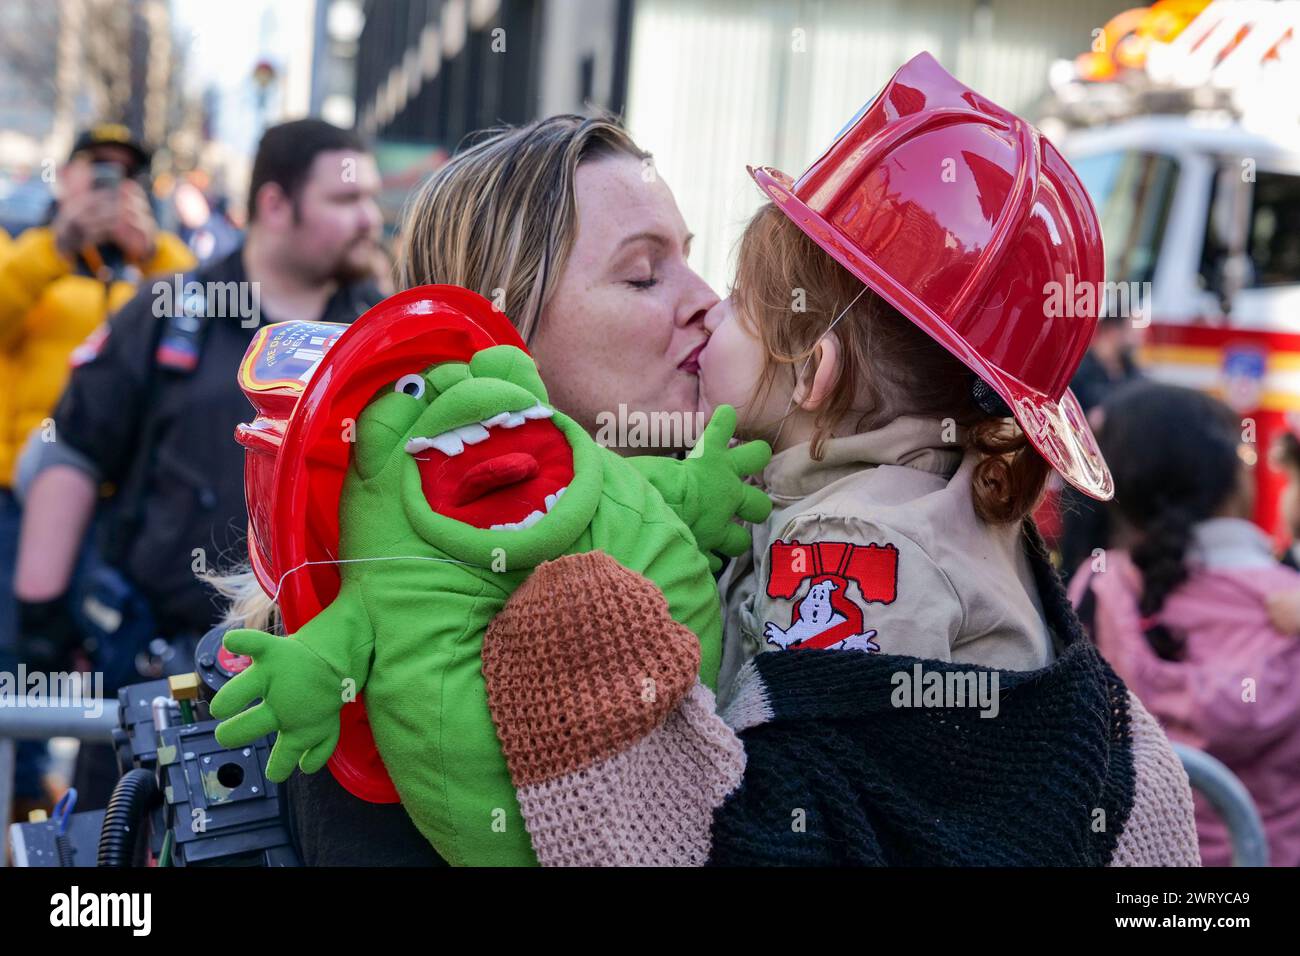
{"points": [[301, 697], [716, 471]]}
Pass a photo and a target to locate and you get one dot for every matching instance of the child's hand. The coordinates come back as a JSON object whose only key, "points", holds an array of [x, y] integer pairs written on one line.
{"points": [[1284, 611], [717, 472], [301, 697]]}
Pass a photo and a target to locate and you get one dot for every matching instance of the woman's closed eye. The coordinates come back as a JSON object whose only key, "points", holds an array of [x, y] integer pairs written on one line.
{"points": [[647, 283]]}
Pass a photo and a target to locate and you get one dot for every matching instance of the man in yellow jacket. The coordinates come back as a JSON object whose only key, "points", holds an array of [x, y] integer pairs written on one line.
{"points": [[58, 283]]}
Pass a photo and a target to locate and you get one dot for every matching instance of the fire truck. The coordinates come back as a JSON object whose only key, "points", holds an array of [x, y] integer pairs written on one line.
{"points": [[1183, 122]]}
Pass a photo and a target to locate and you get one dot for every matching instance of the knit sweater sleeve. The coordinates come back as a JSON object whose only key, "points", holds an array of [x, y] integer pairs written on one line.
{"points": [[776, 818]]}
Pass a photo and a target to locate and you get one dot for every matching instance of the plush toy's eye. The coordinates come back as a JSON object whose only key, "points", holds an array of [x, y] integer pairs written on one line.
{"points": [[412, 385]]}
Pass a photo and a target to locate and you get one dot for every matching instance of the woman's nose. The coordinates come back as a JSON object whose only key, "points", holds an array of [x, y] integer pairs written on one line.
{"points": [[696, 302]]}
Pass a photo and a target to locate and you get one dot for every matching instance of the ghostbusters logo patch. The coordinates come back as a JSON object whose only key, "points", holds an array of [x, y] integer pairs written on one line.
{"points": [[826, 617]]}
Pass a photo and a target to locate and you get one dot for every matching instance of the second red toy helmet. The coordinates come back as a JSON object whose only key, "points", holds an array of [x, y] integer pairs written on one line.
{"points": [[970, 223], [308, 382]]}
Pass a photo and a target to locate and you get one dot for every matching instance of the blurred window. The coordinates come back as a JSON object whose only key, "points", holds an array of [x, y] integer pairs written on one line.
{"points": [[1132, 192], [1275, 230], [1218, 238]]}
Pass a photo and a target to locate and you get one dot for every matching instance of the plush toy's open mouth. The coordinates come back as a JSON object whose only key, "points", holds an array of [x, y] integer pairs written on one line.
{"points": [[503, 473]]}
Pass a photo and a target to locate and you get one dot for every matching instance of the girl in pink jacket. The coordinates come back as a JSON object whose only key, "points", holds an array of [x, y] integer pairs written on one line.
{"points": [[1181, 612]]}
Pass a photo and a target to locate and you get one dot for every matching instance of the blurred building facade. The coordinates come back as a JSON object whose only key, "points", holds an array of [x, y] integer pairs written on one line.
{"points": [[336, 28], [429, 72], [432, 71], [715, 85], [707, 85], [66, 63]]}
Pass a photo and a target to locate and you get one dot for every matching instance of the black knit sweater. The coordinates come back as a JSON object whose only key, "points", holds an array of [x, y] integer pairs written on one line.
{"points": [[836, 774]]}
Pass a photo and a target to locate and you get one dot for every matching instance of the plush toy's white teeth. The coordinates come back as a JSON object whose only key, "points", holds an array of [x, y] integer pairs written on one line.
{"points": [[553, 498], [449, 443], [528, 522], [453, 441], [533, 518], [472, 434]]}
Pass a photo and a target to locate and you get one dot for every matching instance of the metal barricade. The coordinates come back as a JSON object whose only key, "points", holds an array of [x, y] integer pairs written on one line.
{"points": [[1230, 799], [37, 720]]}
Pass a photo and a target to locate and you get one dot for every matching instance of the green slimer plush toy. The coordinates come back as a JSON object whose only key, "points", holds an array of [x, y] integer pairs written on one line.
{"points": [[462, 480]]}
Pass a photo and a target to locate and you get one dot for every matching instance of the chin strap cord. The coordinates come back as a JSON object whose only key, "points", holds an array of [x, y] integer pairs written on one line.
{"points": [[804, 369]]}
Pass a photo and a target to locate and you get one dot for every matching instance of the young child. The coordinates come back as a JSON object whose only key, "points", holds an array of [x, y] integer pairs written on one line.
{"points": [[898, 500], [1181, 614], [900, 477], [898, 333]]}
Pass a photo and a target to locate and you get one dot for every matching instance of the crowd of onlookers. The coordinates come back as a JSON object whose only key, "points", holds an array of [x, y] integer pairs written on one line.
{"points": [[119, 477], [1190, 601]]}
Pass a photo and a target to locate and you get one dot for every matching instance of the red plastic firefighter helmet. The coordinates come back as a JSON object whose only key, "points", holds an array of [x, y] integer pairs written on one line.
{"points": [[309, 381], [970, 223]]}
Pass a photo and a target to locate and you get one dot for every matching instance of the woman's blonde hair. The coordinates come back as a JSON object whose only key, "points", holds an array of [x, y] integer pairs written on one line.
{"points": [[886, 360], [499, 218], [245, 603]]}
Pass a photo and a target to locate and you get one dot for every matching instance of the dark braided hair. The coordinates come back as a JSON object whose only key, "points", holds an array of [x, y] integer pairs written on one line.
{"points": [[1173, 454], [1286, 451]]}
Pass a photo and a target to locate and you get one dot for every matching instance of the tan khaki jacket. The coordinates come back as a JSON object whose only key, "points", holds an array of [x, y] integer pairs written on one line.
{"points": [[924, 577]]}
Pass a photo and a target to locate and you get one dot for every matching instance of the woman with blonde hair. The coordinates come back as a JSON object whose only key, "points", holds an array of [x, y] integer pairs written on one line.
{"points": [[564, 225]]}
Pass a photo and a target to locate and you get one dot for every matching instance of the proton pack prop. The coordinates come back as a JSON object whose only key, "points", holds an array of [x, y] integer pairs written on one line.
{"points": [[404, 476], [182, 798]]}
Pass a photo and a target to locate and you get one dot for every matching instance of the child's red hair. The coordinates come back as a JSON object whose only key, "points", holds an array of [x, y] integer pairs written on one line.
{"points": [[788, 291]]}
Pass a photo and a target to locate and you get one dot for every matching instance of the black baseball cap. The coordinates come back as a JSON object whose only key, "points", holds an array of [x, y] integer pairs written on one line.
{"points": [[113, 134]]}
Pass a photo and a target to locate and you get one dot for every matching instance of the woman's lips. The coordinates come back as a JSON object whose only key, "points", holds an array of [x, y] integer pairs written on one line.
{"points": [[691, 363]]}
